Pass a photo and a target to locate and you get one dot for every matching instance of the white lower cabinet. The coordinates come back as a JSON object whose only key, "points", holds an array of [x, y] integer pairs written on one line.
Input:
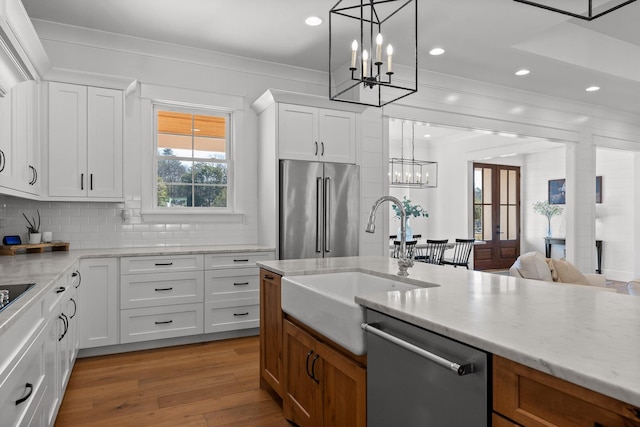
{"points": [[151, 323], [33, 377], [23, 387], [232, 291], [99, 309], [231, 315], [161, 297]]}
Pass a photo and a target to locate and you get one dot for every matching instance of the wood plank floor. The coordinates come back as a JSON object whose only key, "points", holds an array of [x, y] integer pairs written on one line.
{"points": [[207, 384]]}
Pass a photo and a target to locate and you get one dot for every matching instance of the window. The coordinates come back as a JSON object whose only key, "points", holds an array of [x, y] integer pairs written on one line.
{"points": [[192, 158]]}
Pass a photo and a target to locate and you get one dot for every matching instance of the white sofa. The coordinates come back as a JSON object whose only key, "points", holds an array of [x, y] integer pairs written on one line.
{"points": [[533, 265]]}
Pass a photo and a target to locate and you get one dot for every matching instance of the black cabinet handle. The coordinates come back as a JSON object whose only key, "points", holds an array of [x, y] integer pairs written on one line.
{"points": [[60, 290], [3, 163], [163, 289], [91, 182], [158, 264], [82, 181], [65, 322], [322, 145], [28, 395], [240, 260], [316, 142], [241, 314], [79, 276], [268, 277], [306, 363], [313, 368], [166, 322], [75, 308], [241, 284], [34, 175]]}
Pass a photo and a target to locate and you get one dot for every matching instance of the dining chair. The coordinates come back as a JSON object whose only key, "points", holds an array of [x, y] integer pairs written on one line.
{"points": [[461, 253], [432, 252], [410, 248]]}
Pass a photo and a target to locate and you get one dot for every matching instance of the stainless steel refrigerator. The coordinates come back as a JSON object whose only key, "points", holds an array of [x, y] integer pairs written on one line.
{"points": [[319, 209]]}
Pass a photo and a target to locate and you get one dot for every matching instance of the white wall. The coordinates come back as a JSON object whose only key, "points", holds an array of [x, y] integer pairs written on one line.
{"points": [[537, 170]]}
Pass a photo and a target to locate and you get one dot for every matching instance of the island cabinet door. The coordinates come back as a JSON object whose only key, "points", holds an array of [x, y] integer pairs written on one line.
{"points": [[533, 398], [302, 401], [344, 390], [270, 332]]}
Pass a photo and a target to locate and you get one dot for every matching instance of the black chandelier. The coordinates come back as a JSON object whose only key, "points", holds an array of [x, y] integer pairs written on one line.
{"points": [[357, 31], [589, 14]]}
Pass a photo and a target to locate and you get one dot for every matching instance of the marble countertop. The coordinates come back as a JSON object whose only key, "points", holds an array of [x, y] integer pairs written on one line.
{"points": [[582, 335], [45, 268]]}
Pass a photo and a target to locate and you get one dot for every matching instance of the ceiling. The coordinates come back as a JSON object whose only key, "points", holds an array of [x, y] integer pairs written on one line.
{"points": [[486, 40]]}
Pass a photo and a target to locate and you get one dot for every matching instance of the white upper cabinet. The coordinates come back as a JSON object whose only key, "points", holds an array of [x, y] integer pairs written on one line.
{"points": [[316, 134], [19, 140], [85, 141], [25, 136]]}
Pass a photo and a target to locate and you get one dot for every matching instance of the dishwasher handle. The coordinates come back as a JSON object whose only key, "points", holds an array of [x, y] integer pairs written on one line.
{"points": [[457, 368]]}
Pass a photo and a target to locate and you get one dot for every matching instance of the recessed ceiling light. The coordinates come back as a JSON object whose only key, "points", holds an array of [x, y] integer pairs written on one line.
{"points": [[592, 88], [508, 155], [313, 21], [508, 134], [522, 72], [436, 51], [427, 136]]}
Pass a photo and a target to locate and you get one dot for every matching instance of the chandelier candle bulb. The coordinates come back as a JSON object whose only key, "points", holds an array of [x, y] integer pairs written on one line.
{"points": [[379, 49], [365, 59], [389, 55], [354, 50]]}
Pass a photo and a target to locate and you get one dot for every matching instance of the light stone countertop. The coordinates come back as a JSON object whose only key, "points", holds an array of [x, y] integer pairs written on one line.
{"points": [[582, 335], [45, 268]]}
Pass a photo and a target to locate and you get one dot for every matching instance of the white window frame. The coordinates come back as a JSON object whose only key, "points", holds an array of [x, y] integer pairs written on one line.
{"points": [[188, 101]]}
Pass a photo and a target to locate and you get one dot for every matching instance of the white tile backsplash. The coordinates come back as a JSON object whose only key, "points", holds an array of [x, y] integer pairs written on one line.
{"points": [[89, 225]]}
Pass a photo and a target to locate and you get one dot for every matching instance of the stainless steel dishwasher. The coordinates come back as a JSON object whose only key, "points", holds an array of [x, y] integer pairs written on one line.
{"points": [[419, 378]]}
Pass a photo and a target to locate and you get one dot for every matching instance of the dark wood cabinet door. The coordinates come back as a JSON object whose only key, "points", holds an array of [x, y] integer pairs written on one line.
{"points": [[270, 332], [344, 390], [302, 400]]}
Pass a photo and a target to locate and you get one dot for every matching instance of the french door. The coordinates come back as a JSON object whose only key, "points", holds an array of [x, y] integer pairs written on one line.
{"points": [[496, 215]]}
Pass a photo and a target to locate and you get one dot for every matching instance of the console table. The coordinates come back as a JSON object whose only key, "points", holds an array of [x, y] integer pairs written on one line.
{"points": [[548, 241]]}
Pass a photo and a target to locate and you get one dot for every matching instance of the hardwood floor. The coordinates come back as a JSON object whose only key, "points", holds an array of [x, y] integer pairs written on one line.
{"points": [[207, 384]]}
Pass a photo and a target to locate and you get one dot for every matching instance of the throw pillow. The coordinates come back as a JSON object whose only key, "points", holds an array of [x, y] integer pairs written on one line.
{"points": [[534, 266], [568, 273]]}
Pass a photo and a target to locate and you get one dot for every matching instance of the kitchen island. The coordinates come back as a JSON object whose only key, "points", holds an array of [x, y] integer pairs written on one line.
{"points": [[580, 335]]}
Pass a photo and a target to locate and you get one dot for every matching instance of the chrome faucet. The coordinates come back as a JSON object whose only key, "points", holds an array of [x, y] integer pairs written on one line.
{"points": [[403, 262]]}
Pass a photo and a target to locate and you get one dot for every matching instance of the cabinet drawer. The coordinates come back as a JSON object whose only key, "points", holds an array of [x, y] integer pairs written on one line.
{"points": [[242, 315], [225, 285], [143, 324], [533, 398], [25, 381], [19, 334], [236, 260], [151, 290], [155, 264]]}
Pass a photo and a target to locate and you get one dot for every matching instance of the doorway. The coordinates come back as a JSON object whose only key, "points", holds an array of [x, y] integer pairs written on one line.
{"points": [[496, 215]]}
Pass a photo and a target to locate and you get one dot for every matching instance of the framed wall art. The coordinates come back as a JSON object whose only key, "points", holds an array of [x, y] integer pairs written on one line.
{"points": [[558, 188]]}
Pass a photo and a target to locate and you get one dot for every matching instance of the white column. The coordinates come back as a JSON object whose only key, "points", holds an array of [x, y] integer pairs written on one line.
{"points": [[580, 207], [635, 185]]}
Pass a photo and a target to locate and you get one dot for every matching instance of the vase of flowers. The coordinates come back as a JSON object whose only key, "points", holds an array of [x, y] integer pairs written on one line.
{"points": [[411, 210], [548, 210], [33, 228]]}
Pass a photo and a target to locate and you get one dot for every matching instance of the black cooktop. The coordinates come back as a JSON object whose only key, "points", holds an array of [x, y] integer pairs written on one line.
{"points": [[14, 293]]}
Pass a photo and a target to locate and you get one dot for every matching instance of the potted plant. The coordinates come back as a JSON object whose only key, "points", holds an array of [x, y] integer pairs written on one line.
{"points": [[548, 210], [34, 228], [410, 211]]}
